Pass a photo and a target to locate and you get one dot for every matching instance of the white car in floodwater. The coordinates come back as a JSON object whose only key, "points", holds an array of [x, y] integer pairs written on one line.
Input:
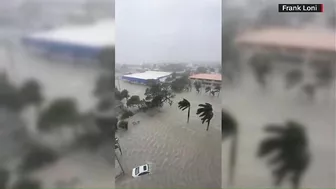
{"points": [[141, 170]]}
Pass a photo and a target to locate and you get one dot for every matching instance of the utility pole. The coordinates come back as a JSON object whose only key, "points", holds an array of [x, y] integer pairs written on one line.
{"points": [[122, 169]]}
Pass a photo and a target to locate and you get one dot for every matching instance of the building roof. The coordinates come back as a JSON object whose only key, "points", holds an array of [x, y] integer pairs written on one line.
{"points": [[148, 75], [215, 77], [323, 40], [101, 34]]}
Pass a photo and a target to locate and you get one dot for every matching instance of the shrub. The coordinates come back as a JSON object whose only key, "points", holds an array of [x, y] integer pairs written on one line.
{"points": [[37, 158], [126, 114]]}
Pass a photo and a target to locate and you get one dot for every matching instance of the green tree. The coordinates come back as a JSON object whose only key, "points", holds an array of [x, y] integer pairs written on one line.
{"points": [[124, 94], [217, 89], [30, 93], [293, 155], [180, 84], [230, 130], [261, 65], [10, 97], [205, 112], [4, 178], [184, 104], [158, 94], [26, 183], [126, 114], [198, 86], [134, 101], [37, 158], [60, 112], [207, 89]]}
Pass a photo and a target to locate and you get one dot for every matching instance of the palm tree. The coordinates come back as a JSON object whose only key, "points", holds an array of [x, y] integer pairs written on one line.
{"points": [[293, 157], [261, 65], [124, 94], [184, 104], [9, 95], [207, 89], [30, 94], [198, 86], [218, 89], [206, 113], [60, 112], [230, 129]]}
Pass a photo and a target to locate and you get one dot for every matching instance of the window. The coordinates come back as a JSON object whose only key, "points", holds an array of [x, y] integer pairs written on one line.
{"points": [[145, 168], [136, 170]]}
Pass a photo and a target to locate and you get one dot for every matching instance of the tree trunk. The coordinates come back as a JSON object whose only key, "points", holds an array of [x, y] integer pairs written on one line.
{"points": [[233, 158], [188, 114], [208, 126]]}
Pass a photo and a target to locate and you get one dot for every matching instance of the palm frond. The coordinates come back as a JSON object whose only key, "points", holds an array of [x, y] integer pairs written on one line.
{"points": [[293, 156], [184, 104], [229, 125], [205, 112], [275, 128], [268, 146]]}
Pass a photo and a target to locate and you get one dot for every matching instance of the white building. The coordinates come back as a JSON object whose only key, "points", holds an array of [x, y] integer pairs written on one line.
{"points": [[142, 78]]}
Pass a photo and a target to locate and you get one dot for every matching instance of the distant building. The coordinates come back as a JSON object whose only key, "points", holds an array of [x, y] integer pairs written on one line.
{"points": [[86, 42], [307, 49], [207, 79], [142, 78]]}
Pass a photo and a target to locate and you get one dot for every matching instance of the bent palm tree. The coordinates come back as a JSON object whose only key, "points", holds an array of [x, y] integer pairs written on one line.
{"points": [[293, 157], [206, 113], [184, 104], [207, 89], [230, 129], [218, 89]]}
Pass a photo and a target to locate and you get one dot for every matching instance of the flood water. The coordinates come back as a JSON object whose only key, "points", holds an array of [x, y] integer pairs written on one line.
{"points": [[182, 154], [253, 109]]}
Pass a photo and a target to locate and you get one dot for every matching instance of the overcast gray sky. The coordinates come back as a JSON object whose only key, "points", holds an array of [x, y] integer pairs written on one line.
{"points": [[168, 31]]}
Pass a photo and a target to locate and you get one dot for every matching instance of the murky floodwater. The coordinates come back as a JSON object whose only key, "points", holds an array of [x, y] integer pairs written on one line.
{"points": [[253, 109], [183, 155]]}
